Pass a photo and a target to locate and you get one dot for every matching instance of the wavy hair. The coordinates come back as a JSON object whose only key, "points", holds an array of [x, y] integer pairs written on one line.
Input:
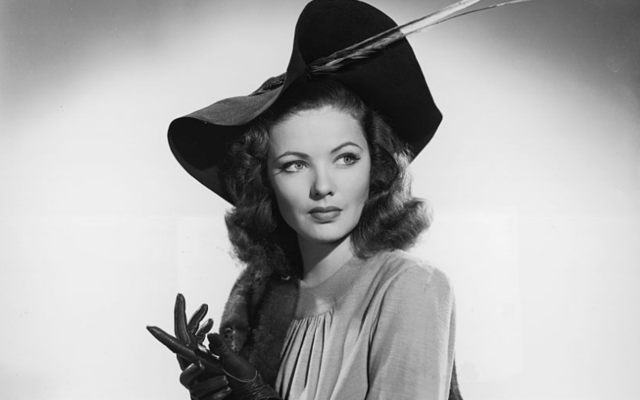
{"points": [[391, 218]]}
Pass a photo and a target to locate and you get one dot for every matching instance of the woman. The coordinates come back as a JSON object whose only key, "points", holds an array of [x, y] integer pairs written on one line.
{"points": [[329, 305]]}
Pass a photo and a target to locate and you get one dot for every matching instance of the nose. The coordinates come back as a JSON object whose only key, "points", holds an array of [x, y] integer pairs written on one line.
{"points": [[323, 184]]}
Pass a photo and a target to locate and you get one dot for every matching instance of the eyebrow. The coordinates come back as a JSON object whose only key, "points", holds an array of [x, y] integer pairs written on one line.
{"points": [[306, 156]]}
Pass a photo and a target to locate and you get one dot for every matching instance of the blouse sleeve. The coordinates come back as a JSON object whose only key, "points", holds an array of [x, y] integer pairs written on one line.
{"points": [[412, 344]]}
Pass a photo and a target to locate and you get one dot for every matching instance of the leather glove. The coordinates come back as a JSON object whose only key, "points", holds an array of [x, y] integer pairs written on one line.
{"points": [[244, 379], [192, 333], [202, 373], [203, 387]]}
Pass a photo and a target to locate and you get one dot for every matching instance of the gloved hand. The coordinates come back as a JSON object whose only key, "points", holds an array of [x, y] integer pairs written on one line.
{"points": [[244, 379], [192, 333], [202, 373], [203, 387]]}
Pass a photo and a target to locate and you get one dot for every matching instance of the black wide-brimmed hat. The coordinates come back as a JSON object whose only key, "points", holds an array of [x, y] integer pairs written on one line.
{"points": [[390, 82]]}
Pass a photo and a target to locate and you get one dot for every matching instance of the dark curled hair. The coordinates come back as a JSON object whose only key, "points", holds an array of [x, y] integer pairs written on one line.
{"points": [[391, 218]]}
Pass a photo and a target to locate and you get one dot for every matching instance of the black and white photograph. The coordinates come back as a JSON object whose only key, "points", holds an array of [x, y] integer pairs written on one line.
{"points": [[320, 199]]}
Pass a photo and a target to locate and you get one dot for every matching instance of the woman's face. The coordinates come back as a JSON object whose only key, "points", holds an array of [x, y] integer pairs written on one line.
{"points": [[319, 165]]}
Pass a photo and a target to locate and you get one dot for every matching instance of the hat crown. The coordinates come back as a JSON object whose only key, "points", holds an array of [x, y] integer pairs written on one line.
{"points": [[325, 27], [390, 82]]}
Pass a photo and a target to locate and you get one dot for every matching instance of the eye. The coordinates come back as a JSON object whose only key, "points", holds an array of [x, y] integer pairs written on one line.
{"points": [[348, 158], [293, 166]]}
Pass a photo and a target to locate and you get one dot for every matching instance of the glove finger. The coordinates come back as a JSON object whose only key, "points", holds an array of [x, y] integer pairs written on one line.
{"points": [[173, 344], [190, 373], [203, 330], [219, 395], [209, 386], [218, 346], [234, 365], [211, 364], [196, 318], [180, 320], [183, 362]]}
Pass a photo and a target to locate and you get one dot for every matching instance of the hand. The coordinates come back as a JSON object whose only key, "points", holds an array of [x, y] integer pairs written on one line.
{"points": [[243, 378], [202, 373], [192, 333], [200, 387]]}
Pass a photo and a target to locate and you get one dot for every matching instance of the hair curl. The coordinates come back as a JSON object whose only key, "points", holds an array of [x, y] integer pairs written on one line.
{"points": [[391, 218]]}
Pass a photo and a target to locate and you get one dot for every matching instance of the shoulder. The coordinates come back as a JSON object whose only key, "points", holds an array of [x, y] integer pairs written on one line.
{"points": [[401, 270], [411, 291]]}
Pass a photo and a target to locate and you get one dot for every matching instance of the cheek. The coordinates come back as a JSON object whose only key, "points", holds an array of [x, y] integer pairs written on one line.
{"points": [[361, 185], [287, 202], [283, 204], [362, 193]]}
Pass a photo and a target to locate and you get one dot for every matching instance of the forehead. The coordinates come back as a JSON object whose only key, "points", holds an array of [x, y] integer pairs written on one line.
{"points": [[315, 130]]}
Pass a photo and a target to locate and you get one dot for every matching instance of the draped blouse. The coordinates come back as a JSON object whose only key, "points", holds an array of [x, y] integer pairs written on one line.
{"points": [[381, 328]]}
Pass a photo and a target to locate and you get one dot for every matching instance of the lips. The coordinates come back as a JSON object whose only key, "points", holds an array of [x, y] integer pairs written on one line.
{"points": [[325, 214]]}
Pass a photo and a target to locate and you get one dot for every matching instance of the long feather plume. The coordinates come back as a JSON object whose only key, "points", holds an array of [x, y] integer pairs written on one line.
{"points": [[371, 46], [506, 3], [374, 44]]}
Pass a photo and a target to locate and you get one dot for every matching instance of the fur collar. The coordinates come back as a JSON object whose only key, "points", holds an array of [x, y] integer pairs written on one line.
{"points": [[257, 316]]}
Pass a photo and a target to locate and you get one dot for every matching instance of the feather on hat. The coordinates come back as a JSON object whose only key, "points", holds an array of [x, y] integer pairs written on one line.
{"points": [[347, 41]]}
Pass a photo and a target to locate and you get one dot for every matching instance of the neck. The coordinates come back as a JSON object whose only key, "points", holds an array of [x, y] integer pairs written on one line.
{"points": [[321, 260]]}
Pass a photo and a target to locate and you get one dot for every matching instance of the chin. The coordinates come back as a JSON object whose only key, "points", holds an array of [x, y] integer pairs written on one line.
{"points": [[326, 236]]}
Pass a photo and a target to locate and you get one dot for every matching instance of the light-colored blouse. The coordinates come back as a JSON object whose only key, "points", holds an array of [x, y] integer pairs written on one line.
{"points": [[381, 328]]}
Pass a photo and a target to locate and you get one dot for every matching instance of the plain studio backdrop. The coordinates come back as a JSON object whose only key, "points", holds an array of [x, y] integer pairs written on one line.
{"points": [[533, 180]]}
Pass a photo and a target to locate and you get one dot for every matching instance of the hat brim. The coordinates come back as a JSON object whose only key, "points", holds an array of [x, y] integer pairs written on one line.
{"points": [[391, 83]]}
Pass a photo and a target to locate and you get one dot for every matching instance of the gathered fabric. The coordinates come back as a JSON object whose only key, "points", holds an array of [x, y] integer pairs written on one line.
{"points": [[379, 328]]}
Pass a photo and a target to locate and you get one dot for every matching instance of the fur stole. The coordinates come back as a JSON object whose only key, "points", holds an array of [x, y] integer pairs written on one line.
{"points": [[257, 316]]}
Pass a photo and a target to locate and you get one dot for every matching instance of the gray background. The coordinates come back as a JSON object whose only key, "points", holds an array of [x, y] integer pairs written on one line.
{"points": [[533, 178]]}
